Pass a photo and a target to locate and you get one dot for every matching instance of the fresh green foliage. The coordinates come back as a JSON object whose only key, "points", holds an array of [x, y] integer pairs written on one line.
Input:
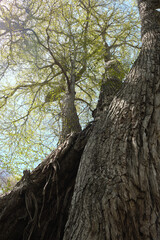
{"points": [[42, 45]]}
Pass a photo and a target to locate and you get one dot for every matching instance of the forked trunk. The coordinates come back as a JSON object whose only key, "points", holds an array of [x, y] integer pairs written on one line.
{"points": [[117, 191]]}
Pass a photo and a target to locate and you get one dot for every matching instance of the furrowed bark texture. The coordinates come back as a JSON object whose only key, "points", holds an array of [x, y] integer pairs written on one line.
{"points": [[117, 190], [37, 208]]}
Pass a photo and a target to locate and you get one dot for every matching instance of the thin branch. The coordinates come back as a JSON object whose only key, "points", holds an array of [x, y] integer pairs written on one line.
{"points": [[56, 62], [31, 106], [84, 91], [82, 100], [22, 86]]}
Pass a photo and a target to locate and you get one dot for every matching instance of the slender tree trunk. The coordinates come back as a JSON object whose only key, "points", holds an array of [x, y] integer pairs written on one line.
{"points": [[70, 120], [111, 83], [117, 191]]}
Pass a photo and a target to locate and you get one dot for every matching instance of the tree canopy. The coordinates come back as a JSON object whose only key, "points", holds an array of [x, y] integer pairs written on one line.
{"points": [[50, 49]]}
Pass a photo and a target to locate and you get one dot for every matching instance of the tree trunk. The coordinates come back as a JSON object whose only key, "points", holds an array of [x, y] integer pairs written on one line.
{"points": [[117, 191], [70, 120], [111, 82]]}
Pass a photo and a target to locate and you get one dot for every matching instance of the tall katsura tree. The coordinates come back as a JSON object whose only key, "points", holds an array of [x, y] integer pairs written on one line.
{"points": [[115, 194]]}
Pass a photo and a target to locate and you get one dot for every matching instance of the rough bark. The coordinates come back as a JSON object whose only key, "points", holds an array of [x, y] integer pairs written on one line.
{"points": [[117, 190], [37, 208]]}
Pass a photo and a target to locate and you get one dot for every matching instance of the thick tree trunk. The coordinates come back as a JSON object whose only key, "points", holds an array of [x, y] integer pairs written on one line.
{"points": [[117, 191]]}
